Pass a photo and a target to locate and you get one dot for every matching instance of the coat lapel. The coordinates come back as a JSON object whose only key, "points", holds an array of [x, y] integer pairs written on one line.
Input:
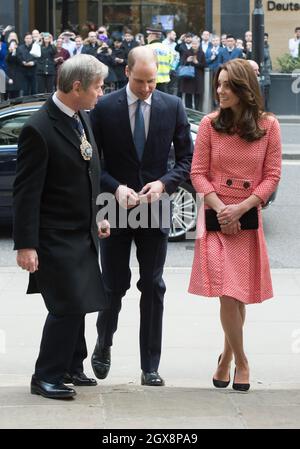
{"points": [[125, 128], [62, 123]]}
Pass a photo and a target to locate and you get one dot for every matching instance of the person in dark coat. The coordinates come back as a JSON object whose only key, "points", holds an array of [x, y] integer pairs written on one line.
{"points": [[135, 128], [91, 44], [28, 65], [129, 42], [46, 66], [54, 228], [14, 71], [119, 62], [193, 87]]}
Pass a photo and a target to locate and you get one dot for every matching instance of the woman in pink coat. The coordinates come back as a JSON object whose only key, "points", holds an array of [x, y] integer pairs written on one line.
{"points": [[236, 167]]}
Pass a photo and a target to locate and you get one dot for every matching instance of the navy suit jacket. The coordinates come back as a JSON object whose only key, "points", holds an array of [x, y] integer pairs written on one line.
{"points": [[227, 56], [168, 124], [112, 131]]}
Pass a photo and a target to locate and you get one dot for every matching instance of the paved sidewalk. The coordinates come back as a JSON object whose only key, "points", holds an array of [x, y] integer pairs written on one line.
{"points": [[192, 343]]}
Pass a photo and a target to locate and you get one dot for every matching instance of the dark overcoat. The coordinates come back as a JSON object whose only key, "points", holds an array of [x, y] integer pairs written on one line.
{"points": [[55, 193]]}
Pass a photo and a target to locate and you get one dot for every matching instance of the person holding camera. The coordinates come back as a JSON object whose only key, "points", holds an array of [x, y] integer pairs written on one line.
{"points": [[14, 69], [46, 65]]}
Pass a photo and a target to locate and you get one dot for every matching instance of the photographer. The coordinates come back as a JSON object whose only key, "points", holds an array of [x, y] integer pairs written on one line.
{"points": [[68, 41], [104, 54], [119, 62], [14, 73], [46, 65]]}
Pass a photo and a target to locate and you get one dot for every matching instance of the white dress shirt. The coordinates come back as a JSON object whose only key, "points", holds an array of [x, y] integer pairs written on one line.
{"points": [[65, 109], [294, 47], [145, 106]]}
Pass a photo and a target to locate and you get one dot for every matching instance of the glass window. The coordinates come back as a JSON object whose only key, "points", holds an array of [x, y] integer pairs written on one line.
{"points": [[183, 16], [10, 128]]}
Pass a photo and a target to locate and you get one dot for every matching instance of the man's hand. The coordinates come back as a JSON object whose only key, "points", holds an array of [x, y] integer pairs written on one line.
{"points": [[151, 192], [127, 197], [103, 229], [28, 259]]}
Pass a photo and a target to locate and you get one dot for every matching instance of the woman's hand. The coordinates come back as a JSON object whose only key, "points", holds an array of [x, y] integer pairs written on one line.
{"points": [[231, 228], [230, 214]]}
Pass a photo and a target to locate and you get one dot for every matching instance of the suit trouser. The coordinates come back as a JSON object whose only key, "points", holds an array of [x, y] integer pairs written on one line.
{"points": [[63, 347], [151, 249]]}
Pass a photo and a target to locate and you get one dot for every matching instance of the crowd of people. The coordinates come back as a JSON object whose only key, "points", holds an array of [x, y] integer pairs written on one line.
{"points": [[31, 66]]}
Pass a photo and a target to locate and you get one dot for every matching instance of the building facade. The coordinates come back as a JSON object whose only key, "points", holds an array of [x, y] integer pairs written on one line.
{"points": [[219, 16]]}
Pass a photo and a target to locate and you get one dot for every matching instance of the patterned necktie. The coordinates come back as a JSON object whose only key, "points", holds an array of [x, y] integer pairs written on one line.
{"points": [[139, 135], [85, 147], [78, 124]]}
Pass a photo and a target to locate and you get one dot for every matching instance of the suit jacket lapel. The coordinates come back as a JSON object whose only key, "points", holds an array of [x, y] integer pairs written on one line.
{"points": [[125, 128]]}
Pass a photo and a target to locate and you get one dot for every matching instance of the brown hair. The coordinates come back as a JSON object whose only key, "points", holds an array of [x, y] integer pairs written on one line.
{"points": [[244, 84]]}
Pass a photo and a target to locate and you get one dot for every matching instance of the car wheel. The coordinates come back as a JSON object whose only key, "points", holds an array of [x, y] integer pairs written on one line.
{"points": [[184, 212]]}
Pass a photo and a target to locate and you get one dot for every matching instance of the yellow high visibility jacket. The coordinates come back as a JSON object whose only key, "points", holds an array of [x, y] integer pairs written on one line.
{"points": [[165, 60]]}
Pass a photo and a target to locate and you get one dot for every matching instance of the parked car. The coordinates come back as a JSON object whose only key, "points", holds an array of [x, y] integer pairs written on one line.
{"points": [[13, 115]]}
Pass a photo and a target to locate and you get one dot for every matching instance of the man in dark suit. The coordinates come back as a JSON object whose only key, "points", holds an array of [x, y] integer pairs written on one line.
{"points": [[231, 51], [129, 42], [134, 128], [55, 229]]}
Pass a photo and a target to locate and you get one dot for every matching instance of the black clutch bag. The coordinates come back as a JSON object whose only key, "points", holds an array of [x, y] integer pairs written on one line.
{"points": [[248, 221]]}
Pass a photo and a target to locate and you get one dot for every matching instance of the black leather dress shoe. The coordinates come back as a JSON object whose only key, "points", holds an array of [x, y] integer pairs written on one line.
{"points": [[51, 391], [152, 379], [101, 361], [80, 380]]}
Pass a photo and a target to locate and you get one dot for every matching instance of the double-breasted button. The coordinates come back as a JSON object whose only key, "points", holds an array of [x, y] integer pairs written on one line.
{"points": [[246, 185], [229, 182]]}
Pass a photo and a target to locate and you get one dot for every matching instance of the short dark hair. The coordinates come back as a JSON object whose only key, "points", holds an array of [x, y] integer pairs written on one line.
{"points": [[266, 34], [230, 36], [296, 29]]}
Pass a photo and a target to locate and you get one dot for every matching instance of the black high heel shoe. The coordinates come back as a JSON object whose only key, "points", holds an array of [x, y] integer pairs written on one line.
{"points": [[239, 387], [221, 383]]}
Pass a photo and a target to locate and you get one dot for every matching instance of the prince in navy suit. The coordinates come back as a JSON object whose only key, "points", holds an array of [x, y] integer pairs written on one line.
{"points": [[134, 129]]}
